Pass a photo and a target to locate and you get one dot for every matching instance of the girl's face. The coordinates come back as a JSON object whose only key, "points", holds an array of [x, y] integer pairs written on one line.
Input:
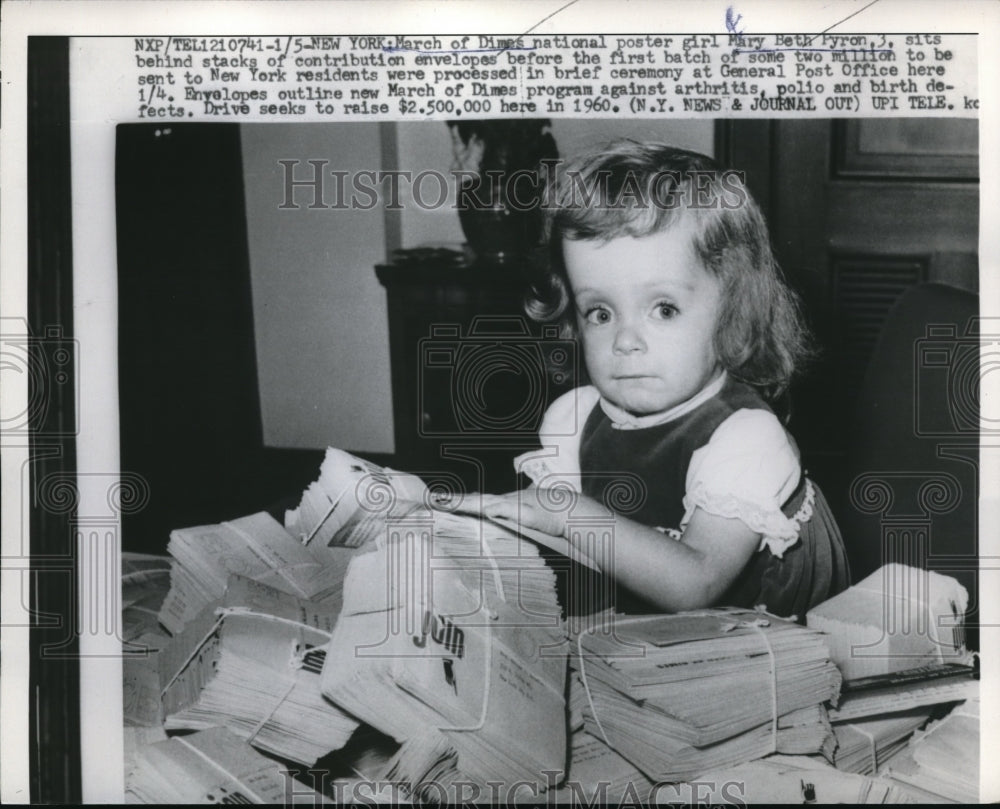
{"points": [[647, 312]]}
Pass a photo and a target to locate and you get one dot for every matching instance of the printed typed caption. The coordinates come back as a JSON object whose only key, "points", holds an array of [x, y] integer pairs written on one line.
{"points": [[482, 76]]}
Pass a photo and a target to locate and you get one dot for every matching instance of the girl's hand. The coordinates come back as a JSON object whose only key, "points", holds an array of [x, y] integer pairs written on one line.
{"points": [[541, 509]]}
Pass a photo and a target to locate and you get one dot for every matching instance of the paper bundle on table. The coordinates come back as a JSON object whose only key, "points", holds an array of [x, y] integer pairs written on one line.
{"points": [[349, 502], [211, 766], [597, 775], [141, 691], [254, 668], [450, 641], [921, 687], [941, 763], [676, 694], [898, 618], [780, 779], [257, 547], [868, 745], [876, 715]]}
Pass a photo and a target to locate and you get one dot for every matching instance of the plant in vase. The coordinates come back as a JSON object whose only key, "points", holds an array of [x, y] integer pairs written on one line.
{"points": [[502, 169]]}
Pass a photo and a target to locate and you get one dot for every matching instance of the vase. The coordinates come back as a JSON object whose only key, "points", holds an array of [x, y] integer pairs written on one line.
{"points": [[496, 229]]}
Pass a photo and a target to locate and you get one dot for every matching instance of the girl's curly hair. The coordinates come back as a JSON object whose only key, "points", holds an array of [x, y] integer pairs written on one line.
{"points": [[637, 189]]}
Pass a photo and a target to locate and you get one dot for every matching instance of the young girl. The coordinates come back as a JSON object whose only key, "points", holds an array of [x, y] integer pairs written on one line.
{"points": [[662, 268]]}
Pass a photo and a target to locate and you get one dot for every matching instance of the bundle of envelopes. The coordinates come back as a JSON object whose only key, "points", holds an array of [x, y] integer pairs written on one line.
{"points": [[141, 706], [876, 715], [782, 779], [941, 763], [211, 766], [251, 662], [897, 638], [898, 618], [867, 745], [351, 500], [256, 546], [145, 583], [598, 774], [919, 687], [450, 641], [679, 693]]}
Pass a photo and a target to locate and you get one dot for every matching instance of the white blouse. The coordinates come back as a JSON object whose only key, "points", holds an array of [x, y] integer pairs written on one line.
{"points": [[748, 469]]}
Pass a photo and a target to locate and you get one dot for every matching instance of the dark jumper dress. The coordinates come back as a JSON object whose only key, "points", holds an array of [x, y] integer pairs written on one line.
{"points": [[807, 573]]}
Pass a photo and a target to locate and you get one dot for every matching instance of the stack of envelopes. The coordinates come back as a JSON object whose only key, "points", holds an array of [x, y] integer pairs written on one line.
{"points": [[678, 694], [921, 686], [349, 502], [450, 641], [868, 745], [256, 546], [251, 662], [876, 715], [782, 779], [211, 766], [941, 763], [599, 775]]}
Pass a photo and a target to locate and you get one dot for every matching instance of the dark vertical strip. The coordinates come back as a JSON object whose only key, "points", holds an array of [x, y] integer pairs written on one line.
{"points": [[748, 146], [54, 662], [189, 404], [389, 137]]}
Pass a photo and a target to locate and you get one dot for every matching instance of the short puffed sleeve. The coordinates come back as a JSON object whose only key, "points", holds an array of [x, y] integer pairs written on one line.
{"points": [[748, 470], [559, 434]]}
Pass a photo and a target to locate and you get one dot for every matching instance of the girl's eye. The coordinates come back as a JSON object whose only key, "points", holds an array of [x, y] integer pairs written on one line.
{"points": [[666, 310], [597, 315]]}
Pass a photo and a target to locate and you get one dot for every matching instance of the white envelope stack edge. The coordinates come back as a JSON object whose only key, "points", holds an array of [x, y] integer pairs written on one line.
{"points": [[350, 501]]}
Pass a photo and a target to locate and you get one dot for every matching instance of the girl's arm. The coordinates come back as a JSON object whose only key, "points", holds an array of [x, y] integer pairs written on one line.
{"points": [[673, 575]]}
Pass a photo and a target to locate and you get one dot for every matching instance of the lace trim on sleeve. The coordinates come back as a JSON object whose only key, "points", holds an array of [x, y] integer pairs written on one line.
{"points": [[535, 464], [778, 532], [559, 436]]}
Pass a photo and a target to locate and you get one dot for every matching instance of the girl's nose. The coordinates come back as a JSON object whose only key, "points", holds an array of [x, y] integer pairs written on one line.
{"points": [[628, 339]]}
